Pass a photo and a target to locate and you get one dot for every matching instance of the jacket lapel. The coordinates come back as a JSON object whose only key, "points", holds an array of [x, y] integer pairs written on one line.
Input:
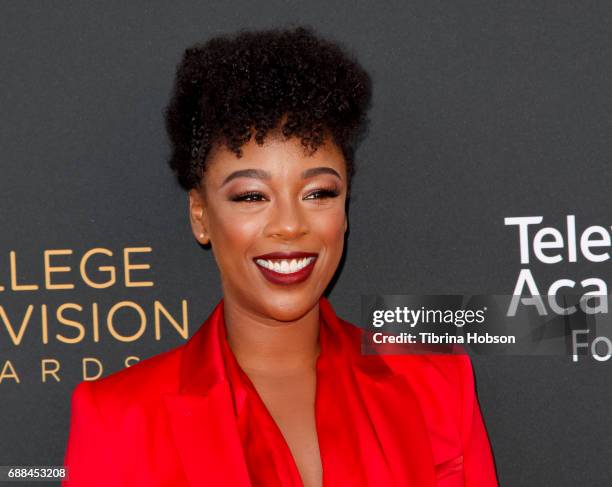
{"points": [[206, 438], [202, 413], [392, 409], [400, 427]]}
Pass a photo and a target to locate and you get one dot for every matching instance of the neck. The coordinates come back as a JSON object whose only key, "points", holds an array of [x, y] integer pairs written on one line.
{"points": [[263, 345]]}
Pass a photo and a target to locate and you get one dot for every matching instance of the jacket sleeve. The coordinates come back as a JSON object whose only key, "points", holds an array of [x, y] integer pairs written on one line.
{"points": [[89, 452], [479, 466]]}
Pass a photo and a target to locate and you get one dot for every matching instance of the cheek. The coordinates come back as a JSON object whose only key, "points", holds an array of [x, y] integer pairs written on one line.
{"points": [[233, 235], [330, 228]]}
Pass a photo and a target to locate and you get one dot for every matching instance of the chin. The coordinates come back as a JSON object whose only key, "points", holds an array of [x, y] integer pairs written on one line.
{"points": [[289, 307]]}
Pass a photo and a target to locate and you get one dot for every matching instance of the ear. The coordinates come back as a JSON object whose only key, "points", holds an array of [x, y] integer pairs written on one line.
{"points": [[198, 216]]}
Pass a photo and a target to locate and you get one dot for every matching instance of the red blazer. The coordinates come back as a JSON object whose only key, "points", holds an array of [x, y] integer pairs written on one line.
{"points": [[174, 419]]}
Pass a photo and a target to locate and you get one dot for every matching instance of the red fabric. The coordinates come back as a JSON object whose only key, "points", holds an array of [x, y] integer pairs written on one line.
{"points": [[191, 416]]}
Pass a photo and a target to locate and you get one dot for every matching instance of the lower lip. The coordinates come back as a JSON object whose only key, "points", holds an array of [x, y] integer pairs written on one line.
{"points": [[293, 278]]}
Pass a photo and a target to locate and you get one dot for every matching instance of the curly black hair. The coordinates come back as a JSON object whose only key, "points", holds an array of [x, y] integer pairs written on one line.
{"points": [[233, 87]]}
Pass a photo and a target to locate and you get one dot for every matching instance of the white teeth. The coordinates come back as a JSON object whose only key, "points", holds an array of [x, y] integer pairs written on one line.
{"points": [[285, 266]]}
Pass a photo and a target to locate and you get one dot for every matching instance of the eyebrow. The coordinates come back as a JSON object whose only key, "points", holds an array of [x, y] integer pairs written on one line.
{"points": [[261, 174]]}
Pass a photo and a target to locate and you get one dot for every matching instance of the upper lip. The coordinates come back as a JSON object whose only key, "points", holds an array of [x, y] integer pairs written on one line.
{"points": [[286, 255]]}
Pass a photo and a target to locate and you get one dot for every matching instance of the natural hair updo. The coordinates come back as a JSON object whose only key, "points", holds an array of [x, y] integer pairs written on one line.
{"points": [[230, 89]]}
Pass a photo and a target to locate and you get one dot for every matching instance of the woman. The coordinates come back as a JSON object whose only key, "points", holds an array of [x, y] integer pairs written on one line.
{"points": [[272, 389]]}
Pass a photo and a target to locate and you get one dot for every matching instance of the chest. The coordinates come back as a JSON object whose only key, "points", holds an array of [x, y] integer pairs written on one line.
{"points": [[290, 400]]}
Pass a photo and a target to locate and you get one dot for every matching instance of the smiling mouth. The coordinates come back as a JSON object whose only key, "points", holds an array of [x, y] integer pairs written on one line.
{"points": [[286, 267]]}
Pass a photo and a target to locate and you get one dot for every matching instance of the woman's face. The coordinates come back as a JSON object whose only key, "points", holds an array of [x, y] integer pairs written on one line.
{"points": [[276, 198]]}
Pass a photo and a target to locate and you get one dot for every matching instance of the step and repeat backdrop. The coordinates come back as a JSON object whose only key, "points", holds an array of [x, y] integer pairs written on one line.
{"points": [[487, 170]]}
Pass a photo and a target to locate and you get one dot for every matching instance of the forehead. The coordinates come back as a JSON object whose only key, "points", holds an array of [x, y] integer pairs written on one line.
{"points": [[277, 155]]}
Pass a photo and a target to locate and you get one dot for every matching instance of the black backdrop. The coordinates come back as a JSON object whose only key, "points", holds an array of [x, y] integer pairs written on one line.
{"points": [[482, 111]]}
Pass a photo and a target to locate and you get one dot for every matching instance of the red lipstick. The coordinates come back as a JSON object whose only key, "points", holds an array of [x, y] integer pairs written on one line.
{"points": [[281, 273]]}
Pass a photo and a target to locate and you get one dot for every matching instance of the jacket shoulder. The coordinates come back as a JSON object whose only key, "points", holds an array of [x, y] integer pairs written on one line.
{"points": [[446, 370], [140, 385]]}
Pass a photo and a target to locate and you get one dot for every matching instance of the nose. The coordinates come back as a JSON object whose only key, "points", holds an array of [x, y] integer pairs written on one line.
{"points": [[287, 219]]}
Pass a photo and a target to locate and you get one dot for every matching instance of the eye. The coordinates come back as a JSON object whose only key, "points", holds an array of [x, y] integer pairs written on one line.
{"points": [[321, 194], [248, 196]]}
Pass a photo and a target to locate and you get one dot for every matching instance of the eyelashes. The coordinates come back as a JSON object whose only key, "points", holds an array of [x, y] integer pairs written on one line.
{"points": [[323, 193], [248, 196], [255, 196]]}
